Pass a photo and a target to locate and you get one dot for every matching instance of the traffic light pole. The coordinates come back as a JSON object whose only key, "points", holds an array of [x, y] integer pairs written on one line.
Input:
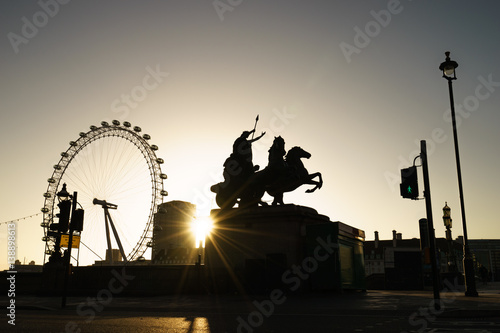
{"points": [[430, 224], [68, 259]]}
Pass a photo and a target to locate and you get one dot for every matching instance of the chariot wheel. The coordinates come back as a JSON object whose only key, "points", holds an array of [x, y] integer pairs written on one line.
{"points": [[114, 163]]}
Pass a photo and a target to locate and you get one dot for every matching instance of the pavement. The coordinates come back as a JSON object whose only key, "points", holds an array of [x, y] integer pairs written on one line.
{"points": [[278, 311], [452, 304]]}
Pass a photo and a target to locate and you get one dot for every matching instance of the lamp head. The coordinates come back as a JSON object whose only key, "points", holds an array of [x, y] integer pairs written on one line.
{"points": [[448, 67], [447, 215], [63, 194]]}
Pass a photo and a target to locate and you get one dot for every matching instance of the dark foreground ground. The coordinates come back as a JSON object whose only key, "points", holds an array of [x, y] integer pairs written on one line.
{"points": [[373, 311]]}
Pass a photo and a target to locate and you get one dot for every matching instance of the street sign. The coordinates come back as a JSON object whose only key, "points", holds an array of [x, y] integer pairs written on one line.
{"points": [[65, 241]]}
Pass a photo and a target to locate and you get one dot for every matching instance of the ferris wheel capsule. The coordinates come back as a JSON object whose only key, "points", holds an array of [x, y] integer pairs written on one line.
{"points": [[116, 122], [127, 124]]}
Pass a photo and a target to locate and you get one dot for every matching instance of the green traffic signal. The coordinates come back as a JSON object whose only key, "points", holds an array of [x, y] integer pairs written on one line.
{"points": [[409, 183]]}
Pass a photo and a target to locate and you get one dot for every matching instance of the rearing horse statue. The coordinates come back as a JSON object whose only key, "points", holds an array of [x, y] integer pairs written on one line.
{"points": [[293, 176]]}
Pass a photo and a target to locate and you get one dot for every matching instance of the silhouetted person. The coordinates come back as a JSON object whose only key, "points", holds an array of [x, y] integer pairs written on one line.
{"points": [[242, 147], [242, 153]]}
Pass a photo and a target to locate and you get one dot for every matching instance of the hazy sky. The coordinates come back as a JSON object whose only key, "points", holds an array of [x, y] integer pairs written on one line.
{"points": [[355, 83]]}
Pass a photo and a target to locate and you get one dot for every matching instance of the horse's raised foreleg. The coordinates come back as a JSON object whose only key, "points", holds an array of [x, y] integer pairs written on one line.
{"points": [[320, 179], [311, 181]]}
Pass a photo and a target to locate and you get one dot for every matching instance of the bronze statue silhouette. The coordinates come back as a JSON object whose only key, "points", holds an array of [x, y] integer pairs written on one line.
{"points": [[238, 169], [293, 176], [276, 154], [243, 185], [242, 152]]}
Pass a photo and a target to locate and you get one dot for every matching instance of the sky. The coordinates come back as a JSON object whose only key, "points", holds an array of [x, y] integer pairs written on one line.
{"points": [[355, 83]]}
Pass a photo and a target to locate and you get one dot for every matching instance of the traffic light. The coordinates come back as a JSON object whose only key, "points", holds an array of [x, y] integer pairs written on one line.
{"points": [[77, 220], [64, 212], [409, 183], [54, 227]]}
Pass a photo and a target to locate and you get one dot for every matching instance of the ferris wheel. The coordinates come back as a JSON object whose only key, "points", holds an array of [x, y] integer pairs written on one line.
{"points": [[113, 163]]}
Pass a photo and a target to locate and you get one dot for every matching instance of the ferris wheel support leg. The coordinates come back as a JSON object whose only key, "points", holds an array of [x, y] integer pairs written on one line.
{"points": [[117, 238], [108, 238]]}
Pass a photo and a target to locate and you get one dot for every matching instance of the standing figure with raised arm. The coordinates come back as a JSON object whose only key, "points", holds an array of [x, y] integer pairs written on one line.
{"points": [[238, 169]]}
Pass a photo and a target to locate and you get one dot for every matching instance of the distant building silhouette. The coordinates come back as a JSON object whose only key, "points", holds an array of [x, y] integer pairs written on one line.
{"points": [[173, 238], [486, 253], [115, 255], [32, 267], [405, 263]]}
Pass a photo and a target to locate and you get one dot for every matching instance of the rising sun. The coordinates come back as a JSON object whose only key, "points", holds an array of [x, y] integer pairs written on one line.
{"points": [[201, 227]]}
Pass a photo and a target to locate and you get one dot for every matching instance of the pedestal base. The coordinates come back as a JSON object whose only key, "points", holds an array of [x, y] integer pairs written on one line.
{"points": [[279, 247]]}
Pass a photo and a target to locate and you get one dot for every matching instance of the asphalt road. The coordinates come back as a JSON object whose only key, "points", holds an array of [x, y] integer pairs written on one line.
{"points": [[374, 311], [147, 322]]}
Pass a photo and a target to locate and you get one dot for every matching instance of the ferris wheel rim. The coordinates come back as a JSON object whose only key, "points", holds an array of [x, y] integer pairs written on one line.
{"points": [[95, 133]]}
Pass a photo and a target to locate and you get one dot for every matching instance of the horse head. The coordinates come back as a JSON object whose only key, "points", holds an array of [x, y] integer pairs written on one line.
{"points": [[297, 153]]}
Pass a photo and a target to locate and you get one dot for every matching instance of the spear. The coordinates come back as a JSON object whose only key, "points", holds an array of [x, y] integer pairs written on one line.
{"points": [[255, 126]]}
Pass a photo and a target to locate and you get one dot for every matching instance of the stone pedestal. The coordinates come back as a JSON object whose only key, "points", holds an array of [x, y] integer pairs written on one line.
{"points": [[250, 249]]}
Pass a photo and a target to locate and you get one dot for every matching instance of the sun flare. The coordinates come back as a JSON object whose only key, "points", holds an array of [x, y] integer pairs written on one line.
{"points": [[201, 227]]}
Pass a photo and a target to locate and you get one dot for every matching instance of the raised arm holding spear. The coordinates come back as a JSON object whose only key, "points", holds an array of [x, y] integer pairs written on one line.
{"points": [[253, 131], [242, 148]]}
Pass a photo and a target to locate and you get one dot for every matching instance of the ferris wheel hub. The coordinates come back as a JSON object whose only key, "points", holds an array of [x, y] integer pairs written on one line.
{"points": [[104, 203]]}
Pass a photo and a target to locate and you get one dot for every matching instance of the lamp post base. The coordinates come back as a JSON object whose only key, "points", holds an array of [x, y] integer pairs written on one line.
{"points": [[470, 282], [471, 293]]}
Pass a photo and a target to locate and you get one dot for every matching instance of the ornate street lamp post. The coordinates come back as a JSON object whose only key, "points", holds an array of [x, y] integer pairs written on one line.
{"points": [[448, 68], [64, 205], [447, 223]]}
